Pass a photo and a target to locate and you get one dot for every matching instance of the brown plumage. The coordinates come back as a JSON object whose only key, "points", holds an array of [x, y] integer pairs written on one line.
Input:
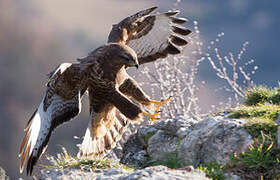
{"points": [[140, 37], [151, 36]]}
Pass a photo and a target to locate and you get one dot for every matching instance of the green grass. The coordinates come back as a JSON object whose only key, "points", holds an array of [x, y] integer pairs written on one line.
{"points": [[261, 118], [64, 160], [213, 170], [262, 94], [171, 160], [148, 136], [261, 160], [261, 109]]}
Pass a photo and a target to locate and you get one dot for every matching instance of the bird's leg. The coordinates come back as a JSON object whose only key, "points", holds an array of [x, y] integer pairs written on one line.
{"points": [[160, 103], [153, 117]]}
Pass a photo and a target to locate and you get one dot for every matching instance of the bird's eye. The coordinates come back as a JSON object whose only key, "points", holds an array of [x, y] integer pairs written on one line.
{"points": [[126, 57]]}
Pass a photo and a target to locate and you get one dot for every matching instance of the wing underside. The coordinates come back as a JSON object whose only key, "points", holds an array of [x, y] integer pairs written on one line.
{"points": [[151, 36]]}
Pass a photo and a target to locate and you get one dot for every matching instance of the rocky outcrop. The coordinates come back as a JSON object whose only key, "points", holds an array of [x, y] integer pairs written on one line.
{"points": [[178, 142], [155, 173], [193, 143], [214, 139]]}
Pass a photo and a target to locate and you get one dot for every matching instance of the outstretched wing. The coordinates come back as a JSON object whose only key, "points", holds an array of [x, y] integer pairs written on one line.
{"points": [[151, 36], [60, 103]]}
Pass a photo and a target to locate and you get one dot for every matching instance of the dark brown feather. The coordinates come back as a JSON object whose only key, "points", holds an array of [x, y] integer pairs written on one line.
{"points": [[143, 28], [114, 134], [141, 14], [171, 49], [137, 31], [181, 30], [172, 13], [31, 163], [178, 40], [108, 140], [178, 20]]}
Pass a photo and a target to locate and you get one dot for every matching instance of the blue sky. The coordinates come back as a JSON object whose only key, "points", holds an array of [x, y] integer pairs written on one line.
{"points": [[256, 21]]}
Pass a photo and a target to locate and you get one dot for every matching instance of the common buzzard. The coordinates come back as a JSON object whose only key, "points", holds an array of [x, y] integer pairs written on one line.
{"points": [[138, 39]]}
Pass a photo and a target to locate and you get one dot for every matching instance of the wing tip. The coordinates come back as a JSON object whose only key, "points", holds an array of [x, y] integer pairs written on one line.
{"points": [[178, 20], [151, 9], [172, 13], [181, 30], [21, 170], [148, 10], [22, 162], [30, 164], [23, 144], [172, 49], [178, 40], [144, 12]]}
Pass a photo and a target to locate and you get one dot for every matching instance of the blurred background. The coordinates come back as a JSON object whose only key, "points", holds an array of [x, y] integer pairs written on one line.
{"points": [[36, 36]]}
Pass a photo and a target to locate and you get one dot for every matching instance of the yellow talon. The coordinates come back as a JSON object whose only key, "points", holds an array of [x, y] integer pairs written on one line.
{"points": [[160, 103], [151, 116]]}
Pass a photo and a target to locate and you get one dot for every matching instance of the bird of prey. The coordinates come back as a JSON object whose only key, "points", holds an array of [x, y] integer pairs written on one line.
{"points": [[138, 39]]}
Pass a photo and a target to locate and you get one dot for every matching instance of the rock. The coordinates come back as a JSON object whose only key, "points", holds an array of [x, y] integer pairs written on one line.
{"points": [[164, 173], [180, 140], [3, 175], [191, 142], [171, 126], [155, 173], [78, 174], [134, 154], [231, 176], [140, 158], [161, 145], [144, 134], [183, 132], [155, 141], [214, 139]]}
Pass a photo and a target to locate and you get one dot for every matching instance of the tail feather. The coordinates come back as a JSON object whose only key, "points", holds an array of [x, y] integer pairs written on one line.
{"points": [[108, 140], [117, 125], [97, 147], [115, 134]]}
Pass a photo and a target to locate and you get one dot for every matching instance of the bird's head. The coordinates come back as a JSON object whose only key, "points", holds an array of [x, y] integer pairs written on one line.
{"points": [[129, 57], [123, 55]]}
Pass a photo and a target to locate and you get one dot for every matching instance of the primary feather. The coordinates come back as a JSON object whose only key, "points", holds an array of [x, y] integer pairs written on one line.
{"points": [[151, 36]]}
